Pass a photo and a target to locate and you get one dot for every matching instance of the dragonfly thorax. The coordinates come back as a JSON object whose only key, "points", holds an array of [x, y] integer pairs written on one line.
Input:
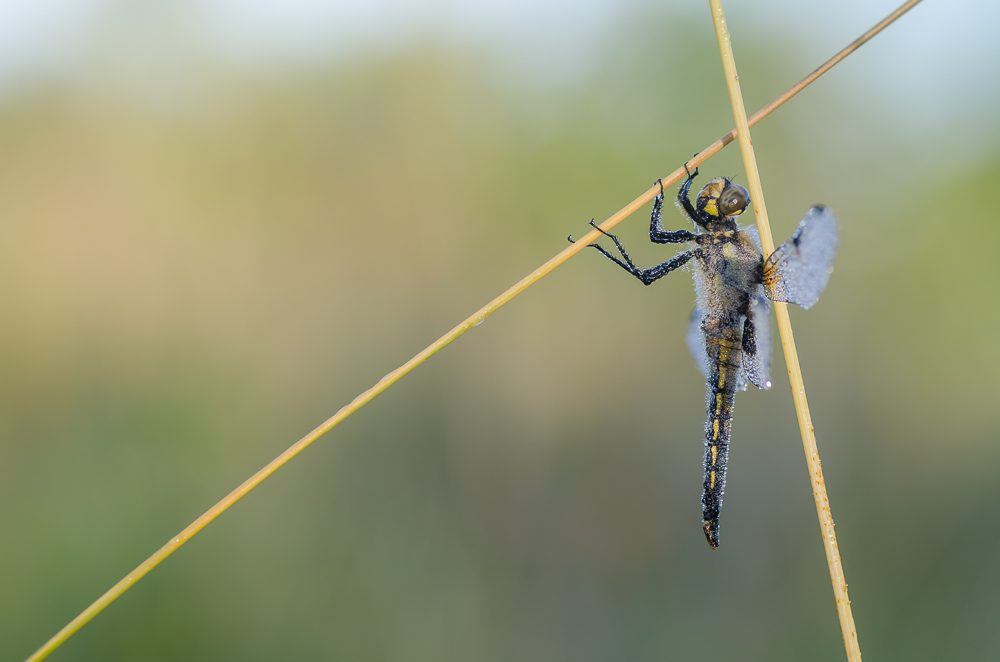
{"points": [[726, 274]]}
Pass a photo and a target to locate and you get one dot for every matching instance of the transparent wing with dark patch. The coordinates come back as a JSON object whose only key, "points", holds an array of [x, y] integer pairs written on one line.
{"points": [[696, 341], [798, 271], [756, 361]]}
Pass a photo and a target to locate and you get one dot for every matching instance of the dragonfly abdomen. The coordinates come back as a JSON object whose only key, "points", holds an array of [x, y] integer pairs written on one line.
{"points": [[724, 347]]}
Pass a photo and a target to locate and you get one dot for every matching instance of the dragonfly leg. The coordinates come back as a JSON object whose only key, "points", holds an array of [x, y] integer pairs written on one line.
{"points": [[656, 232], [647, 276], [684, 202]]}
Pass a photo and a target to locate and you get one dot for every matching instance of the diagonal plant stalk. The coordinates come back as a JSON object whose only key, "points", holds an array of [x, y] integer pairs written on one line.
{"points": [[837, 577], [476, 318]]}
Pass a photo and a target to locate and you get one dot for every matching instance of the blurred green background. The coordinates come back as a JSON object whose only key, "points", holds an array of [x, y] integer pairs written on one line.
{"points": [[219, 223]]}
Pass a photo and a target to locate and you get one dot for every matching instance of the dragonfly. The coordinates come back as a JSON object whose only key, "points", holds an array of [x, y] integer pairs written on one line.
{"points": [[729, 331]]}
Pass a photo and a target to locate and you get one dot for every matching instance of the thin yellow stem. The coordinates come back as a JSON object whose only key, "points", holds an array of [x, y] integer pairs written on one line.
{"points": [[788, 344], [112, 594]]}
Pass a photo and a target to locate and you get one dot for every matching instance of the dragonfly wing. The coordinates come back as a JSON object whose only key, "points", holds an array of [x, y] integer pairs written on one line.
{"points": [[696, 341], [754, 236], [757, 341], [741, 379], [798, 271]]}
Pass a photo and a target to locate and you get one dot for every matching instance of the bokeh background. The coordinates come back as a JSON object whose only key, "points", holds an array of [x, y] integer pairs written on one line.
{"points": [[220, 221]]}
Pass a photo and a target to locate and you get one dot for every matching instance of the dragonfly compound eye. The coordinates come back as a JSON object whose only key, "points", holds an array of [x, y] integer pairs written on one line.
{"points": [[734, 200]]}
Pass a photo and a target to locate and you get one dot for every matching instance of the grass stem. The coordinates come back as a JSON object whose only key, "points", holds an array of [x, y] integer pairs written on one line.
{"points": [[836, 567]]}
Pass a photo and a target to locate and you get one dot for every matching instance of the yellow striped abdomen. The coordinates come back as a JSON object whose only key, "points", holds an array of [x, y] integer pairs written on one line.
{"points": [[724, 345]]}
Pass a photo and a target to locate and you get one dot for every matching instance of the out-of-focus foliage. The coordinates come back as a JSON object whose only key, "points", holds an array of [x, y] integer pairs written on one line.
{"points": [[188, 291]]}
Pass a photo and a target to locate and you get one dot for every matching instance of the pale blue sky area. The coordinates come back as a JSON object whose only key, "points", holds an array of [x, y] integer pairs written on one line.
{"points": [[940, 64]]}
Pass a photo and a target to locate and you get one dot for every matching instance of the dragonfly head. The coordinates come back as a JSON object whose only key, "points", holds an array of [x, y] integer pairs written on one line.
{"points": [[721, 200]]}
